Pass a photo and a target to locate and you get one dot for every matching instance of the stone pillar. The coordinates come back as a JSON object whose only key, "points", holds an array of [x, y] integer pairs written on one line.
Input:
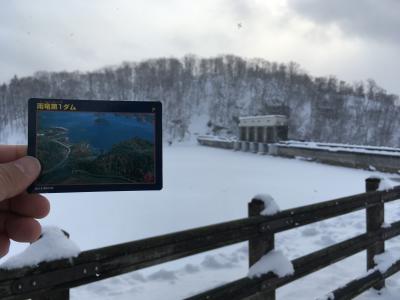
{"points": [[254, 147], [255, 134], [265, 139], [247, 134], [271, 134], [242, 134], [261, 148]]}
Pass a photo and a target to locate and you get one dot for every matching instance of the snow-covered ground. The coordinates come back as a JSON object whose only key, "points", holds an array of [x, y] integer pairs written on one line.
{"points": [[206, 185]]}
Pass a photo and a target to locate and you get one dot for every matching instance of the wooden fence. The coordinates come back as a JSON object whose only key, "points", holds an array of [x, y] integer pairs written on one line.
{"points": [[52, 280]]}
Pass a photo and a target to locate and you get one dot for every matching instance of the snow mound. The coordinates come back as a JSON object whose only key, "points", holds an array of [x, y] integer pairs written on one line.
{"points": [[385, 184], [53, 245], [386, 225], [275, 262], [271, 208]]}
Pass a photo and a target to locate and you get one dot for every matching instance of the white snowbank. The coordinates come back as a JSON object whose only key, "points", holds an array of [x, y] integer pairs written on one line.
{"points": [[304, 158], [216, 138], [53, 245], [271, 208], [275, 262]]}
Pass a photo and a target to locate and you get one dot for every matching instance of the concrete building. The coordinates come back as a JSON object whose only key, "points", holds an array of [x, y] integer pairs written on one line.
{"points": [[256, 132]]}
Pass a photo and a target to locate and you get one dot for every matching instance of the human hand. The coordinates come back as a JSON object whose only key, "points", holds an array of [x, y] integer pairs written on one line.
{"points": [[18, 209]]}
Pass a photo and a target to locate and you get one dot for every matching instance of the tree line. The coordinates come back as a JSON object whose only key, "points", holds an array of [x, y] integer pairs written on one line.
{"points": [[208, 95]]}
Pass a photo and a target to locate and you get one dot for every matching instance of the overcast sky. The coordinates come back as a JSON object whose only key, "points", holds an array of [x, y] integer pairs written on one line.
{"points": [[353, 40]]}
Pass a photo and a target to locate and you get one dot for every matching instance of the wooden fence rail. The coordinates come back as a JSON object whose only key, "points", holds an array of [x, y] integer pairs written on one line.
{"points": [[52, 280]]}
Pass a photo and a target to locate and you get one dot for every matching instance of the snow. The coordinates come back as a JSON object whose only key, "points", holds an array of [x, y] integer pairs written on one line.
{"points": [[385, 185], [386, 225], [204, 186], [52, 245], [385, 260], [12, 134], [342, 147], [198, 125], [274, 261], [314, 144], [304, 158], [388, 293], [329, 296], [271, 208], [216, 138]]}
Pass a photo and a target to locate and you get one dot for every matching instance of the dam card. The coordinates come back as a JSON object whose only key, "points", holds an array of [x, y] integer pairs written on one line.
{"points": [[91, 145]]}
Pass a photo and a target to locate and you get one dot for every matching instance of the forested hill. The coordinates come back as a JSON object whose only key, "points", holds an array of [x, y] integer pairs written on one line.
{"points": [[207, 95]]}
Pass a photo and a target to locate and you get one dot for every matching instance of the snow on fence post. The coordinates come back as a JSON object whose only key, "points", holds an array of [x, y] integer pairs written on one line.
{"points": [[375, 219], [260, 246], [61, 294]]}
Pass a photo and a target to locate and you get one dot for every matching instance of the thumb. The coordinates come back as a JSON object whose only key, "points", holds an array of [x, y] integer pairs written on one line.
{"points": [[17, 175]]}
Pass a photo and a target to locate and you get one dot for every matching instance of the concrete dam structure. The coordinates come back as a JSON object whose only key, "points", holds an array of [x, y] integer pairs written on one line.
{"points": [[268, 135]]}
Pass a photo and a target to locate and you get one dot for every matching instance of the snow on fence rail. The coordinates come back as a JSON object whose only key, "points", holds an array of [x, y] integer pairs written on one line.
{"points": [[52, 280]]}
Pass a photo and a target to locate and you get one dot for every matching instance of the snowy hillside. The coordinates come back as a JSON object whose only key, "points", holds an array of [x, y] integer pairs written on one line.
{"points": [[204, 186], [208, 95]]}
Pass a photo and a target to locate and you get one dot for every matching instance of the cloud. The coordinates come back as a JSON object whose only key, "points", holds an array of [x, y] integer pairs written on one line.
{"points": [[353, 40], [366, 19]]}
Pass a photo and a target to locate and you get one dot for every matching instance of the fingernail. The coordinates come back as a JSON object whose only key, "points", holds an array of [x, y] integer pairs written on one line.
{"points": [[28, 165]]}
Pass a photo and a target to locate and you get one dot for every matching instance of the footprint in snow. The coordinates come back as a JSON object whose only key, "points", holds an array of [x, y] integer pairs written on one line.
{"points": [[309, 232]]}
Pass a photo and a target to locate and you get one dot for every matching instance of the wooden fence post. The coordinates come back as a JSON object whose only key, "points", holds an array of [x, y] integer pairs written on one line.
{"points": [[375, 218], [59, 295], [260, 246]]}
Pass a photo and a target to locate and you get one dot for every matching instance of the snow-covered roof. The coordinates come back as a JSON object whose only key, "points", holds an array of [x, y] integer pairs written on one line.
{"points": [[266, 120]]}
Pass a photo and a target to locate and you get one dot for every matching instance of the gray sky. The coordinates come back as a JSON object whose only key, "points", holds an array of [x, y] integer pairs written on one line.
{"points": [[353, 40]]}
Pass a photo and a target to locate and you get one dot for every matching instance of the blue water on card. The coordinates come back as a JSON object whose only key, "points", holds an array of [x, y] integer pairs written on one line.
{"points": [[100, 130]]}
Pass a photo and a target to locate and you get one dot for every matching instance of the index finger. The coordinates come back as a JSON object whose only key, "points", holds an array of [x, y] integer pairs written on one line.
{"points": [[11, 152]]}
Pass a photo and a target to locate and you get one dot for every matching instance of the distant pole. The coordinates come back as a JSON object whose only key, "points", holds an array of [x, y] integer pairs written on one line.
{"points": [[375, 218], [259, 246]]}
